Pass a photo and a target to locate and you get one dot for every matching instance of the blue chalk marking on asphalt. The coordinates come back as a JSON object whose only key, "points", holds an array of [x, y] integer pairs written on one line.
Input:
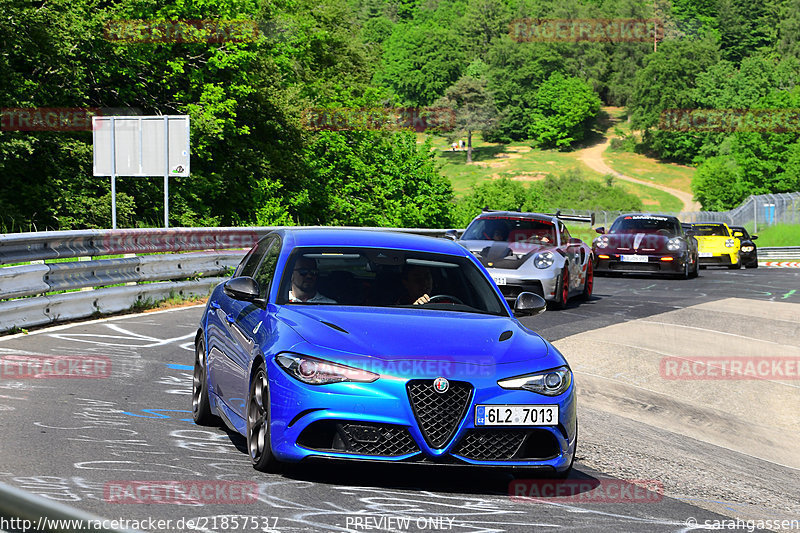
{"points": [[156, 412], [179, 367]]}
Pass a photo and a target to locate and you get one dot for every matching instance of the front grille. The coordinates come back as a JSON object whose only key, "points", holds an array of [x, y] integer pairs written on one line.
{"points": [[438, 414], [715, 260], [509, 444], [361, 438], [512, 291], [635, 267], [491, 444]]}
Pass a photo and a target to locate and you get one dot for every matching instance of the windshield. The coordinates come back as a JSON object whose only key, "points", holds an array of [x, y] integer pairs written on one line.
{"points": [[745, 235], [645, 224], [711, 230], [378, 277], [511, 230]]}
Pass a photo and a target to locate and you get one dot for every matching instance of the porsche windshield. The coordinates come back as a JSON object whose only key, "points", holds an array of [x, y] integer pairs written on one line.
{"points": [[710, 230], [512, 230], [387, 278], [645, 224]]}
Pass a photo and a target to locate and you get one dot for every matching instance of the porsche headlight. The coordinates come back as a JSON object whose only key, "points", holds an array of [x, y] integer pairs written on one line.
{"points": [[674, 244], [544, 260], [730, 243], [747, 248], [320, 372], [549, 383], [601, 242]]}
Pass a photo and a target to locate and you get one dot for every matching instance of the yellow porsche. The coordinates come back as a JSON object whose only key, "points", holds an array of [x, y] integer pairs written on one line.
{"points": [[717, 245]]}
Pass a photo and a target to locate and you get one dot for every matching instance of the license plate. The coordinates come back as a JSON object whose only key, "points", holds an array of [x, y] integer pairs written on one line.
{"points": [[516, 415], [634, 258], [499, 280], [705, 254]]}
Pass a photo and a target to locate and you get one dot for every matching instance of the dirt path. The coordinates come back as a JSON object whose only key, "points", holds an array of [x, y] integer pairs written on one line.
{"points": [[593, 157]]}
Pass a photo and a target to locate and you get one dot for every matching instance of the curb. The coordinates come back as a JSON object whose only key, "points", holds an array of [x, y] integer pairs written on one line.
{"points": [[780, 264]]}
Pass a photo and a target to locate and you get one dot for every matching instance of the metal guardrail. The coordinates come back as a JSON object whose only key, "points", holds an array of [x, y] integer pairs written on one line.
{"points": [[21, 511], [775, 252], [28, 289]]}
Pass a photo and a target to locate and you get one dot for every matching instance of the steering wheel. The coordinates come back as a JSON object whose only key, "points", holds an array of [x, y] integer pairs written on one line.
{"points": [[440, 297]]}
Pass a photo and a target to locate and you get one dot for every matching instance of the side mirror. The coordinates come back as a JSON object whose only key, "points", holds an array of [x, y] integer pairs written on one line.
{"points": [[529, 304], [575, 240], [242, 288], [690, 233], [753, 237], [738, 234], [451, 234], [601, 230]]}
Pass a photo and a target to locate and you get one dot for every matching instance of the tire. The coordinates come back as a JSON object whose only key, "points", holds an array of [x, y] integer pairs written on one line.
{"points": [[685, 274], [563, 291], [588, 285], [695, 270], [258, 422], [753, 263], [201, 408]]}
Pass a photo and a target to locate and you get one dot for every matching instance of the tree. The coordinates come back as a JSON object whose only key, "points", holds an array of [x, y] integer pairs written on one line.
{"points": [[562, 112], [718, 184], [473, 107]]}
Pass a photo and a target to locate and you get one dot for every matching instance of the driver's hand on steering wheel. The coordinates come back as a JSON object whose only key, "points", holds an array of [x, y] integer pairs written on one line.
{"points": [[422, 300]]}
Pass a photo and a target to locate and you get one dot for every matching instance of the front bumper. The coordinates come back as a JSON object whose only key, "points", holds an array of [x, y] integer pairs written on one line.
{"points": [[606, 262], [719, 259], [543, 285], [376, 421]]}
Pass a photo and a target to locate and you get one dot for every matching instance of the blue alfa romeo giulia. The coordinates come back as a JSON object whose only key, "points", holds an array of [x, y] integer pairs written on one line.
{"points": [[383, 346]]}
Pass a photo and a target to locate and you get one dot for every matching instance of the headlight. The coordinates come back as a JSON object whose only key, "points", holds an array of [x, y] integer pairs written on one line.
{"points": [[674, 244], [747, 248], [550, 383], [320, 372], [544, 260], [730, 243], [601, 242]]}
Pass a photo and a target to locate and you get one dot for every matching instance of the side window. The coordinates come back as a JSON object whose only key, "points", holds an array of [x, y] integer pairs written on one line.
{"points": [[266, 270], [564, 235], [248, 265]]}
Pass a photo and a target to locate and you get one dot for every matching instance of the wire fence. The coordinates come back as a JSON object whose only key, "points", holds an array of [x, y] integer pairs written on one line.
{"points": [[758, 211]]}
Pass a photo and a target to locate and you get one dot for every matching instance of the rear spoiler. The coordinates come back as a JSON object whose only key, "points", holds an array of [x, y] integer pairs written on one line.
{"points": [[557, 214]]}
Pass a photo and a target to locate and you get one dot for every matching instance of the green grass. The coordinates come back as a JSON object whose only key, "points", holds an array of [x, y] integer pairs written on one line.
{"points": [[652, 170], [493, 161], [777, 235]]}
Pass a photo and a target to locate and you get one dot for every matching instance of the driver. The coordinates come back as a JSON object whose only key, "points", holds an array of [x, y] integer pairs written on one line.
{"points": [[304, 283], [418, 284]]}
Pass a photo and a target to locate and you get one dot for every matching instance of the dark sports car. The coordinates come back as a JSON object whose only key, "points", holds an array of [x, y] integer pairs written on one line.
{"points": [[380, 346], [643, 243], [748, 252]]}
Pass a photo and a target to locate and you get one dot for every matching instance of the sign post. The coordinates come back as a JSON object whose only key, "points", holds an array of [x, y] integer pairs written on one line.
{"points": [[141, 146]]}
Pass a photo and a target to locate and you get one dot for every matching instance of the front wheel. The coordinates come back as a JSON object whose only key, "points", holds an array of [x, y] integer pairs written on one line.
{"points": [[562, 292], [258, 418], [201, 410]]}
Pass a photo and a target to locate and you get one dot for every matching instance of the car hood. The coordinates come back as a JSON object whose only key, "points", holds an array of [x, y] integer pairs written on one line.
{"points": [[504, 254], [642, 242], [410, 334]]}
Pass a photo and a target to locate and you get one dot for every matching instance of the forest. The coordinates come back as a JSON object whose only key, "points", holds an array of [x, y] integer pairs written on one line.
{"points": [[256, 161]]}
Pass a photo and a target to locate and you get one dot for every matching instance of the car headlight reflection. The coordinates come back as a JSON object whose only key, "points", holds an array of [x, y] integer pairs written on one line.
{"points": [[544, 260], [674, 244], [730, 243], [549, 383], [320, 372]]}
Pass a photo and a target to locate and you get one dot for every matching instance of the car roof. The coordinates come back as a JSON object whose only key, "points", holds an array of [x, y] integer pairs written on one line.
{"points": [[370, 239], [518, 214], [710, 224], [654, 215]]}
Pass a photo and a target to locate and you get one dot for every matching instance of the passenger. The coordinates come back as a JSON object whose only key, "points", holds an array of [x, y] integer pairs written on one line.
{"points": [[304, 283]]}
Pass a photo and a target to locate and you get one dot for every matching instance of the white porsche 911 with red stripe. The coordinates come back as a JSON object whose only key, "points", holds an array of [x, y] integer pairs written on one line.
{"points": [[532, 252]]}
